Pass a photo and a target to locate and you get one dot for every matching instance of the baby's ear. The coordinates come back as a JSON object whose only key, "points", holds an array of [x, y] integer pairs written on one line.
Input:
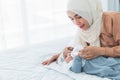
{"points": [[70, 48]]}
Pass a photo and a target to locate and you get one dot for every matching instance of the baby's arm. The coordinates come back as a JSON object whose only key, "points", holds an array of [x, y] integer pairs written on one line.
{"points": [[55, 57], [52, 59], [77, 65]]}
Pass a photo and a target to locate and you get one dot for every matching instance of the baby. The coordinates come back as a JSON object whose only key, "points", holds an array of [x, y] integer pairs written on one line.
{"points": [[71, 58], [68, 58], [100, 66], [65, 56]]}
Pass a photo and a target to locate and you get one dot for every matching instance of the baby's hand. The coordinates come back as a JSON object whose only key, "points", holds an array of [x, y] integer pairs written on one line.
{"points": [[68, 58], [46, 62]]}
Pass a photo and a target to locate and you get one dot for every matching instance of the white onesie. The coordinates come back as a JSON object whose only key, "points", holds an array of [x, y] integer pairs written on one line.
{"points": [[62, 62]]}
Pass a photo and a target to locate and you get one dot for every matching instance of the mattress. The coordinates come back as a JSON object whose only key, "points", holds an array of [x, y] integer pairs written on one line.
{"points": [[25, 64]]}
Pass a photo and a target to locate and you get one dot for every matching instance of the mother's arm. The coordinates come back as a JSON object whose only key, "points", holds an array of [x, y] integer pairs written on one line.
{"points": [[113, 51], [91, 52]]}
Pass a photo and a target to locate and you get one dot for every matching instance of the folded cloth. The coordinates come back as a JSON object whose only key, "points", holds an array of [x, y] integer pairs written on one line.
{"points": [[100, 66]]}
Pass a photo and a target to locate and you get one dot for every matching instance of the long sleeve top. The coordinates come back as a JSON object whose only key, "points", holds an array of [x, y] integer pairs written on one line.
{"points": [[110, 35]]}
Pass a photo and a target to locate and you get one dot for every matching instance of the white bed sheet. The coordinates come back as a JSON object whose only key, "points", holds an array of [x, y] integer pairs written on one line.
{"points": [[25, 64]]}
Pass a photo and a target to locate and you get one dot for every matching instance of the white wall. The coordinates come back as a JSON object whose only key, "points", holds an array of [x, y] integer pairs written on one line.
{"points": [[104, 5]]}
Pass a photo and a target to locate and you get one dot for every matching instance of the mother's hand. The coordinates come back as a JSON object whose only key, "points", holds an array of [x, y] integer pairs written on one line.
{"points": [[91, 52]]}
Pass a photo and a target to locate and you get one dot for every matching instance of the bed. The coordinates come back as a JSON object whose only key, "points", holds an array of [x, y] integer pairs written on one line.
{"points": [[25, 64]]}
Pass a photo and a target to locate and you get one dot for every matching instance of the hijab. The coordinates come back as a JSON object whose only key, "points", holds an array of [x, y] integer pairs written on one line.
{"points": [[91, 11]]}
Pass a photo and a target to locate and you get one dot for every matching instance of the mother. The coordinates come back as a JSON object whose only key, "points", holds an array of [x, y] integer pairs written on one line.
{"points": [[98, 32]]}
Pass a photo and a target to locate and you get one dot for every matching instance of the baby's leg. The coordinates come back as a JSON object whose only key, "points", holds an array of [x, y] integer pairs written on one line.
{"points": [[77, 65]]}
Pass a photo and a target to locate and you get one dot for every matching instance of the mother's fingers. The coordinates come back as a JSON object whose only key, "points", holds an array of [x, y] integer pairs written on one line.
{"points": [[87, 57], [83, 51], [84, 54]]}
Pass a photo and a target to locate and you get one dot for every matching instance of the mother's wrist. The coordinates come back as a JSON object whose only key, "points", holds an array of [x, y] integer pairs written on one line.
{"points": [[102, 51]]}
